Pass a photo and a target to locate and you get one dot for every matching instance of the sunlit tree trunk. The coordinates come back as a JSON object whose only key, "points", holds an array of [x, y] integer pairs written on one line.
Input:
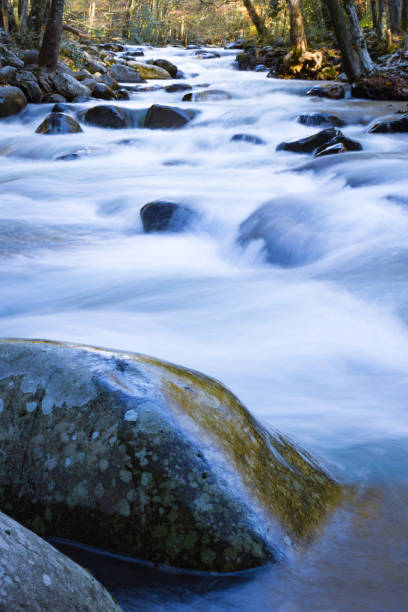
{"points": [[91, 15], [297, 30], [255, 18], [357, 36], [49, 52]]}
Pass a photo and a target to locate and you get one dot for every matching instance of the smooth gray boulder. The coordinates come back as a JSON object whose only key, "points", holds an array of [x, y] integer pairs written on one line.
{"points": [[125, 74], [35, 577], [148, 459]]}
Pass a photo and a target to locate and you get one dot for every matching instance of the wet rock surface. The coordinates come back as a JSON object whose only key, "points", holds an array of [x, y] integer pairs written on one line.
{"points": [[159, 116], [148, 459], [249, 138], [390, 125], [34, 576], [320, 141], [162, 216], [106, 116], [316, 119], [58, 123]]}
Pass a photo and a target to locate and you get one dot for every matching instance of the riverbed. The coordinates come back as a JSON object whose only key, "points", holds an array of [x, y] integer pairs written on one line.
{"points": [[317, 350]]}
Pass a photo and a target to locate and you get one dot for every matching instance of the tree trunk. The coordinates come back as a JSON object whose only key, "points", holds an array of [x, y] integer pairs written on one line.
{"points": [[404, 15], [37, 18], [374, 13], [255, 18], [4, 22], [394, 11], [381, 22], [357, 36], [49, 52], [297, 30], [351, 60]]}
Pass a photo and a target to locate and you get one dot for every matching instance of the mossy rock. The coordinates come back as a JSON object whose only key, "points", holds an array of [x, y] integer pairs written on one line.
{"points": [[148, 459]]}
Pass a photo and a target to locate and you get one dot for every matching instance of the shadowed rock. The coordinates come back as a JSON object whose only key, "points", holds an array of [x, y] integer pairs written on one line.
{"points": [[389, 125], [35, 576], [148, 459], [318, 141], [12, 100], [165, 117], [106, 116], [249, 138]]}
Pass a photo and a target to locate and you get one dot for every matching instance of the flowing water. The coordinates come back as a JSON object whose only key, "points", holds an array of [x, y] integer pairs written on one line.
{"points": [[317, 349]]}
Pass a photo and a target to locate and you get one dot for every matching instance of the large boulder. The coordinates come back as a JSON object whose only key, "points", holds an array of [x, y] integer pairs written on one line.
{"points": [[125, 74], [58, 123], [148, 459], [12, 100], [166, 117], [149, 71], [67, 85], [35, 577], [162, 216]]}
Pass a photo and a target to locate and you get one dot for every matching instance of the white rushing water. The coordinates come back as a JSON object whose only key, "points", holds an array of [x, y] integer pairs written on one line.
{"points": [[317, 350]]}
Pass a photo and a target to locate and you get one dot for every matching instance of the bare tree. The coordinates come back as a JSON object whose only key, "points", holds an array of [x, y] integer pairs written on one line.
{"points": [[357, 37]]}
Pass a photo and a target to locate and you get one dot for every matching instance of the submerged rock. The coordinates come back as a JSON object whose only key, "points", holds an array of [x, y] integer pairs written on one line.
{"points": [[209, 95], [35, 576], [166, 117], [59, 123], [12, 100], [250, 138], [148, 459], [162, 216], [316, 119]]}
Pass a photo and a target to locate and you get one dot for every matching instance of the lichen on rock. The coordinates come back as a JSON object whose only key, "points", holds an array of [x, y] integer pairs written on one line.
{"points": [[148, 459]]}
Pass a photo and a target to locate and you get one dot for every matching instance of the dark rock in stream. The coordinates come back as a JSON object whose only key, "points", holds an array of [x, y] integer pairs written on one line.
{"points": [[166, 117], [317, 142], [317, 119], [36, 577], [103, 92], [31, 90], [176, 87], [162, 216], [12, 100], [58, 123], [334, 92], [106, 116], [148, 459], [389, 125]]}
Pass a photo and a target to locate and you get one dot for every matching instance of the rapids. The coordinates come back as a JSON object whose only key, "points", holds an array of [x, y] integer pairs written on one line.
{"points": [[318, 350]]}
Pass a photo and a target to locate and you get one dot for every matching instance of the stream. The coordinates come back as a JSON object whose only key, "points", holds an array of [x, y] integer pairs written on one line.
{"points": [[317, 349]]}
